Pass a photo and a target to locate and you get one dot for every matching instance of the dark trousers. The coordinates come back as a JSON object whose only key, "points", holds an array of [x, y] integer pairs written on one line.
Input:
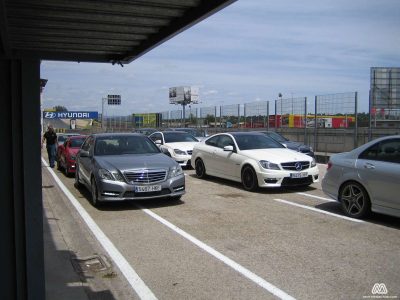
{"points": [[51, 152]]}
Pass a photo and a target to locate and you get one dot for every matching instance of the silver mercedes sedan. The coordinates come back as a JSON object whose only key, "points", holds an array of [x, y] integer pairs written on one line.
{"points": [[367, 178], [127, 166]]}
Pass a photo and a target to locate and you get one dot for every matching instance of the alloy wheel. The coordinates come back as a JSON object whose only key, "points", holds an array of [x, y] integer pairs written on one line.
{"points": [[355, 200]]}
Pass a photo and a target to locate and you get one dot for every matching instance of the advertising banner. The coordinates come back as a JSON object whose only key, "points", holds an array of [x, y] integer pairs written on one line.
{"points": [[70, 115], [184, 95]]}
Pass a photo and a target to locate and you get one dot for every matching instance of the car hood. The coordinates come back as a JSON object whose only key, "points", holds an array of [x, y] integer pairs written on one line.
{"points": [[276, 155], [73, 151], [185, 146], [135, 161]]}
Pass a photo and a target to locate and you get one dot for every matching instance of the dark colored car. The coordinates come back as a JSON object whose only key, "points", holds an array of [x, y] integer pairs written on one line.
{"points": [[127, 166], [66, 153], [292, 145]]}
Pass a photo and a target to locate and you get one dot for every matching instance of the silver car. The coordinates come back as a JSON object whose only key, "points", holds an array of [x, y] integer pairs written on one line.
{"points": [[367, 178], [127, 166]]}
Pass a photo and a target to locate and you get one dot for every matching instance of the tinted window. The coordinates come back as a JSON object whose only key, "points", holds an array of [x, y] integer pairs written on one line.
{"points": [[76, 143], [212, 141], [119, 145], [253, 141], [225, 140], [86, 144], [171, 137], [156, 136], [388, 151]]}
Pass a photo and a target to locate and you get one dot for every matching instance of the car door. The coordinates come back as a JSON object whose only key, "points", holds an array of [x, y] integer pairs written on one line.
{"points": [[85, 162], [226, 161], [207, 153], [63, 153], [379, 169]]}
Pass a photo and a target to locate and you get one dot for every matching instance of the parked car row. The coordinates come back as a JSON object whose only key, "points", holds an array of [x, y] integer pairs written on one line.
{"points": [[130, 166]]}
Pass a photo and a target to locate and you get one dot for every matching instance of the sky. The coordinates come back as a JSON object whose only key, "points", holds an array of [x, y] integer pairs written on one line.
{"points": [[248, 52]]}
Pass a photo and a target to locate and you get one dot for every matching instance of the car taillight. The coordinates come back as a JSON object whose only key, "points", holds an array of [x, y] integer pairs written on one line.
{"points": [[329, 165]]}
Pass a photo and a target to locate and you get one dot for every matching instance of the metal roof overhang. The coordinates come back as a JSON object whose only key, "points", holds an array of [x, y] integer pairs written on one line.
{"points": [[115, 31]]}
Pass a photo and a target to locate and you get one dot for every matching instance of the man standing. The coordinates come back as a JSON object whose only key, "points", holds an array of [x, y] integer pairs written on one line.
{"points": [[51, 141]]}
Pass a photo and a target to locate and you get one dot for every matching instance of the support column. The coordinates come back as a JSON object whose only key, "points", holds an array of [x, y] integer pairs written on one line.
{"points": [[21, 209]]}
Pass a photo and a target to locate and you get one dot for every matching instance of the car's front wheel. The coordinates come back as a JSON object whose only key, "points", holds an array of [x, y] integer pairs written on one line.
{"points": [[77, 183], [355, 200], [200, 168], [95, 193], [249, 179]]}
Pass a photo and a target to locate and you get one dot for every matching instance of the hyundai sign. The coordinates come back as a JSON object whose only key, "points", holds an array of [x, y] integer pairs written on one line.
{"points": [[70, 115]]}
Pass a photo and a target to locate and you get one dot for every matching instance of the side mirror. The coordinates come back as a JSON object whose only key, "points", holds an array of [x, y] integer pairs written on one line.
{"points": [[228, 148], [83, 153], [158, 142], [284, 145]]}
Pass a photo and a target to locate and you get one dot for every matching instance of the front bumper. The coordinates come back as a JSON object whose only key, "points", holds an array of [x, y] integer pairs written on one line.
{"points": [[109, 190], [183, 160], [279, 178]]}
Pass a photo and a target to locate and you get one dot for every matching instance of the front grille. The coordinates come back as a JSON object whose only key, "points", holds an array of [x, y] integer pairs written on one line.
{"points": [[291, 166], [189, 152], [287, 181], [145, 176]]}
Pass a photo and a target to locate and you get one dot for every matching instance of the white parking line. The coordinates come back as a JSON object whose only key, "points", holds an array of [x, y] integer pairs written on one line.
{"points": [[131, 276], [316, 197], [226, 260], [319, 211]]}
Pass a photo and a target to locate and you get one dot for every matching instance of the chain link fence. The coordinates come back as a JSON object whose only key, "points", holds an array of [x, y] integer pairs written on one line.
{"points": [[329, 123]]}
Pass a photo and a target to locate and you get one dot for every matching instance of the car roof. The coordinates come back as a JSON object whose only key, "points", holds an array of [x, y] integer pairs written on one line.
{"points": [[77, 137]]}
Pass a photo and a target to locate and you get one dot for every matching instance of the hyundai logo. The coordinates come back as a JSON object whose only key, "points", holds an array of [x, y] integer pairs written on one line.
{"points": [[298, 166], [49, 115]]}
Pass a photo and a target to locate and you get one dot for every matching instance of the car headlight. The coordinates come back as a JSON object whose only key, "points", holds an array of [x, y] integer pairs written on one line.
{"points": [[179, 152], [269, 165], [175, 171], [115, 176], [313, 163], [118, 176], [105, 174]]}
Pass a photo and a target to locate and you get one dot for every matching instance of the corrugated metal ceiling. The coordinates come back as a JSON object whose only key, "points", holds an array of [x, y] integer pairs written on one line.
{"points": [[116, 31]]}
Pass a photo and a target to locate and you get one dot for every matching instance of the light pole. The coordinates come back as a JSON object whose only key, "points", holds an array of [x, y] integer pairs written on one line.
{"points": [[280, 98]]}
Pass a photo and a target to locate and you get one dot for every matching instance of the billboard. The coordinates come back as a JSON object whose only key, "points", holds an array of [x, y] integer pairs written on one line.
{"points": [[114, 99], [70, 115], [184, 95]]}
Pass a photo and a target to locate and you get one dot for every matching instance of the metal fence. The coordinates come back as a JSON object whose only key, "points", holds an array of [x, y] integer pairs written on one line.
{"points": [[329, 123]]}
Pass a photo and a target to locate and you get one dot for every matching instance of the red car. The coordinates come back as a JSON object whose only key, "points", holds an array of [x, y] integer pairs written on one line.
{"points": [[66, 153]]}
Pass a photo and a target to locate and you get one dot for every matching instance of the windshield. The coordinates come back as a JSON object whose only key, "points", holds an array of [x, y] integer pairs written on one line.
{"points": [[76, 143], [171, 137], [276, 137], [61, 138], [118, 145], [252, 141]]}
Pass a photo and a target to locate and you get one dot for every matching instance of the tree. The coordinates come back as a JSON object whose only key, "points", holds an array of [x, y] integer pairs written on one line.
{"points": [[60, 108]]}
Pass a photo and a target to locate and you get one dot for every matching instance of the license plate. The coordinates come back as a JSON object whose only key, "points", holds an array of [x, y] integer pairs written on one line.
{"points": [[147, 188], [298, 175]]}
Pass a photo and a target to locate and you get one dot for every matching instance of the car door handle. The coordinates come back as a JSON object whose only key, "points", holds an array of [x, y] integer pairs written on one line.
{"points": [[369, 166]]}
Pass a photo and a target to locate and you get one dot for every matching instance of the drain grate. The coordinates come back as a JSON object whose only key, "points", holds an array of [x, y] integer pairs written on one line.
{"points": [[91, 264], [47, 186]]}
